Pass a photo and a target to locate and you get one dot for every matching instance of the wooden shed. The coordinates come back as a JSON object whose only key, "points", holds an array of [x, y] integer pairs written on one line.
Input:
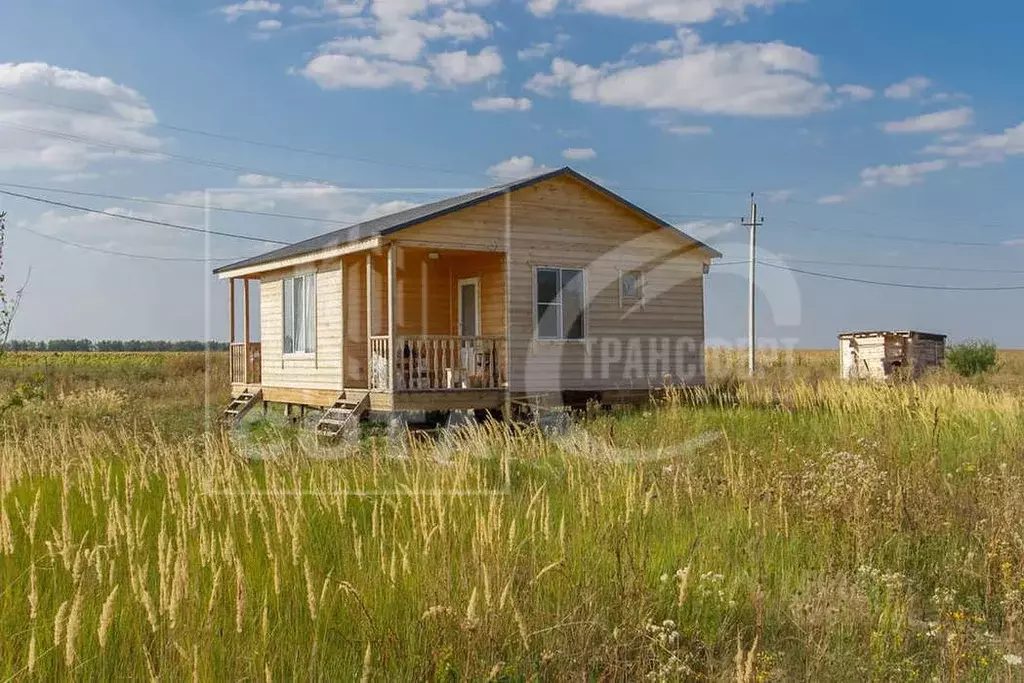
{"points": [[880, 354]]}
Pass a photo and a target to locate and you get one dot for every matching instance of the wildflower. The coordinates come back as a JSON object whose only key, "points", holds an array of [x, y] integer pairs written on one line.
{"points": [[1012, 660]]}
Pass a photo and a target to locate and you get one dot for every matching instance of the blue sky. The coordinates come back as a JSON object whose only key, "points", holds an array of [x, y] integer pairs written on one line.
{"points": [[873, 133]]}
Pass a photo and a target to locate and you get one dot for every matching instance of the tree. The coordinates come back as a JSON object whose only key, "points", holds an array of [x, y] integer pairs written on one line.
{"points": [[9, 304]]}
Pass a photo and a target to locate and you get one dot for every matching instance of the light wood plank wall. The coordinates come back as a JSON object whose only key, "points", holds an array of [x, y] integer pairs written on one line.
{"points": [[321, 370], [562, 222]]}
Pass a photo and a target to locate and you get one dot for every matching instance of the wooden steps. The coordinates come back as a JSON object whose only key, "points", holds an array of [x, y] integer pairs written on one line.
{"points": [[241, 405], [344, 414]]}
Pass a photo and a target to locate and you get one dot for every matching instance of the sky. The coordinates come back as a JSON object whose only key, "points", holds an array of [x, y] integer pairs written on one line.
{"points": [[884, 142]]}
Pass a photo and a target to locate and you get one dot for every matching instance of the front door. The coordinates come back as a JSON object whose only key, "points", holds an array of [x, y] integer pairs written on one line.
{"points": [[469, 307]]}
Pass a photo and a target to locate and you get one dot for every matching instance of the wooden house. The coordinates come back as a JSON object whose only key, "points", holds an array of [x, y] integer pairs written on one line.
{"points": [[881, 354], [551, 285]]}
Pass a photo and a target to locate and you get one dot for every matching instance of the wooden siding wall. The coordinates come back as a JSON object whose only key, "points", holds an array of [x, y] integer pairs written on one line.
{"points": [[875, 357], [321, 370], [561, 222], [354, 300]]}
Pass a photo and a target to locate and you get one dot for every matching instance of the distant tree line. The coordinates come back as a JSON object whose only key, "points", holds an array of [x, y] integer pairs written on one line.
{"points": [[112, 345]]}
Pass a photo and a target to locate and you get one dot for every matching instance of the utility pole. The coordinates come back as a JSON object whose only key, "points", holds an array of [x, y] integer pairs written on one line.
{"points": [[754, 224]]}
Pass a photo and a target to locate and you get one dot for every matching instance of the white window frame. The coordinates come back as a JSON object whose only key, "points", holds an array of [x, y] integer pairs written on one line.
{"points": [[536, 304], [641, 286], [310, 350]]}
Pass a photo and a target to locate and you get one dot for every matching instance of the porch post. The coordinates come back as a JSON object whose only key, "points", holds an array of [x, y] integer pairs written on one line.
{"points": [[369, 320], [231, 310], [245, 325], [392, 351], [344, 302]]}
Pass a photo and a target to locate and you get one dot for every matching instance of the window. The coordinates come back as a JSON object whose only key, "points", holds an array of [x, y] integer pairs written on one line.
{"points": [[561, 303], [631, 286], [300, 314]]}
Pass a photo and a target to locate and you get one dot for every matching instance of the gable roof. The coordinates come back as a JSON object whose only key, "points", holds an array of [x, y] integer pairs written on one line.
{"points": [[386, 225]]}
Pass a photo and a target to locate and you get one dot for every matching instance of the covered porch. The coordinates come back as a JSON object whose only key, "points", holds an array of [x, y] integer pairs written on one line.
{"points": [[433, 320]]}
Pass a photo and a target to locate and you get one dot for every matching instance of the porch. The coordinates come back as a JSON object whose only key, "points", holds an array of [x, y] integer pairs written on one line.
{"points": [[413, 327]]}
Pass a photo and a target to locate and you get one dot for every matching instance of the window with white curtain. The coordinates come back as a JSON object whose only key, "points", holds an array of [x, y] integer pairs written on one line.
{"points": [[299, 308]]}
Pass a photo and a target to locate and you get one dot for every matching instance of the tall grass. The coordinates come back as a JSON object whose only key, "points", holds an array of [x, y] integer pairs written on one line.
{"points": [[757, 532]]}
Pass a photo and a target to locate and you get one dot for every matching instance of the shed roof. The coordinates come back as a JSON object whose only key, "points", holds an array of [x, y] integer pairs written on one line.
{"points": [[894, 333], [386, 225]]}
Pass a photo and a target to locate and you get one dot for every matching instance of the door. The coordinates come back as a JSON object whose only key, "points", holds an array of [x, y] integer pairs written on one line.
{"points": [[469, 307], [469, 326]]}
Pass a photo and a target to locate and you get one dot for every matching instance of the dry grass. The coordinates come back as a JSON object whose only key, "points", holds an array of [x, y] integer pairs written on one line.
{"points": [[813, 531]]}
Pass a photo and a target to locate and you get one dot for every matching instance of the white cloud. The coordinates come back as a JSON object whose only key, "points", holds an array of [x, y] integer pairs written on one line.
{"points": [[983, 149], [579, 154], [332, 72], [777, 196], [257, 180], [665, 11], [541, 8], [833, 199], [514, 168], [742, 79], [936, 122], [268, 25], [901, 175], [389, 42], [911, 87], [535, 51], [502, 104], [705, 230], [233, 12], [857, 93], [453, 68], [386, 209], [689, 130], [122, 117]]}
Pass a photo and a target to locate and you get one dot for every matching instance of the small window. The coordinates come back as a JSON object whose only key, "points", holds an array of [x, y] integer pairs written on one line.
{"points": [[631, 286], [560, 303], [299, 307]]}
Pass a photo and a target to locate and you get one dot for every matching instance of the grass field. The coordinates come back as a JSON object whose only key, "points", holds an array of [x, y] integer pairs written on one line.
{"points": [[789, 528]]}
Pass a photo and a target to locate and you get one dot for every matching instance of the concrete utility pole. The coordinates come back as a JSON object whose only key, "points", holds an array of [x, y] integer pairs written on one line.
{"points": [[754, 224]]}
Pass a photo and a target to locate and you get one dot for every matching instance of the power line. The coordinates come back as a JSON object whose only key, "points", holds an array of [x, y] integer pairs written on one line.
{"points": [[88, 247], [894, 238], [903, 285], [160, 202], [885, 266], [289, 148], [137, 219]]}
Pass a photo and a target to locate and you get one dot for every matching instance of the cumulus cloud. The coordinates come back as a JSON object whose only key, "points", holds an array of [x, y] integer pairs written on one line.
{"points": [[936, 122], [665, 11], [983, 149], [579, 154], [514, 168], [333, 72], [906, 89], [268, 25], [122, 117], [857, 93], [742, 79], [233, 12], [901, 175], [454, 68], [391, 42], [496, 104]]}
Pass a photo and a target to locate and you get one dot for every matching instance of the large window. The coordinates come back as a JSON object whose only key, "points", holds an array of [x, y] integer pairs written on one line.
{"points": [[300, 314], [560, 303]]}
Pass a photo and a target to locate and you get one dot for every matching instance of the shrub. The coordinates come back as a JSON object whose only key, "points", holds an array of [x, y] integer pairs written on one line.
{"points": [[972, 357]]}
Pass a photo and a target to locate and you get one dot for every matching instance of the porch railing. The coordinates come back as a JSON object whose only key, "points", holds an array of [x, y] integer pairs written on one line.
{"points": [[380, 377], [245, 363], [438, 363]]}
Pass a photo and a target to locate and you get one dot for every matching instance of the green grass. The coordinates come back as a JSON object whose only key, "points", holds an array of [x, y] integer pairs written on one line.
{"points": [[819, 532]]}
